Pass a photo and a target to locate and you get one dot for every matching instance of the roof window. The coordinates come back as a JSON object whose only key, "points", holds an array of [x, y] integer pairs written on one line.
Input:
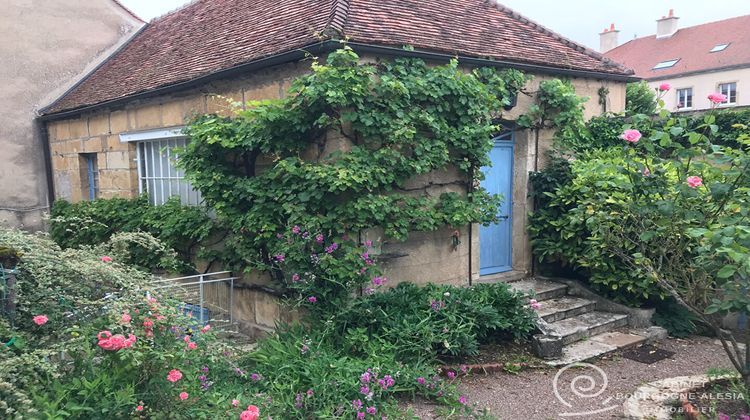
{"points": [[720, 47], [665, 64]]}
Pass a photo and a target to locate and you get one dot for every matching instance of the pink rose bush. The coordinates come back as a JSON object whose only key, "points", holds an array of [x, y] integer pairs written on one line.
{"points": [[116, 342]]}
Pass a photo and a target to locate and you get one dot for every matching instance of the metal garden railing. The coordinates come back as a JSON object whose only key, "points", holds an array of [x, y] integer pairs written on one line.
{"points": [[207, 297]]}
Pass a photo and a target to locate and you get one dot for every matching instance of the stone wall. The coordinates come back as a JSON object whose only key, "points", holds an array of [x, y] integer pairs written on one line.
{"points": [[100, 132]]}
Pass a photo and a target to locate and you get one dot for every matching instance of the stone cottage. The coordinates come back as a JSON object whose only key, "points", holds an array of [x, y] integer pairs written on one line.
{"points": [[45, 48], [129, 111]]}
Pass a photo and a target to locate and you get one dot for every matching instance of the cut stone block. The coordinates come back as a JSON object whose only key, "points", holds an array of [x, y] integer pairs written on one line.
{"points": [[586, 325], [565, 307], [619, 339], [540, 289], [595, 346]]}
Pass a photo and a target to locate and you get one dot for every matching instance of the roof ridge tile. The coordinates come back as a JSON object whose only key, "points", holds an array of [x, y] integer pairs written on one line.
{"points": [[338, 18]]}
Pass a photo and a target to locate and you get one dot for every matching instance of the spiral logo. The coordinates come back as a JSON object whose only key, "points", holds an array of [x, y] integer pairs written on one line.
{"points": [[590, 383]]}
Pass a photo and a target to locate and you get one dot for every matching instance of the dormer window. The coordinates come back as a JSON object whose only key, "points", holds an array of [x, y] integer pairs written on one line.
{"points": [[666, 64], [720, 47]]}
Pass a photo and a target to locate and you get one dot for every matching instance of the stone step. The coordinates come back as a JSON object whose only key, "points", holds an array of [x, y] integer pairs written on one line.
{"points": [[557, 309], [540, 289], [586, 325], [596, 346]]}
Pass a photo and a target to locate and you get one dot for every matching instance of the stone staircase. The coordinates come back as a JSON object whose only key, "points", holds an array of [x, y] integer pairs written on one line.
{"points": [[572, 328]]}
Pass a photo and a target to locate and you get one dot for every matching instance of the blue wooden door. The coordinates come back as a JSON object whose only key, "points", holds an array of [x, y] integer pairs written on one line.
{"points": [[495, 250]]}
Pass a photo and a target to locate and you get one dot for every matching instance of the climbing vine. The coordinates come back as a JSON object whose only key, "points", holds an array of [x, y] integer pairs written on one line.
{"points": [[308, 174]]}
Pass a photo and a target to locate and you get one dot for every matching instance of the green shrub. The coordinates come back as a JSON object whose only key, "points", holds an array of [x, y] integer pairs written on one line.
{"points": [[572, 206], [640, 98], [184, 229], [424, 323], [675, 318]]}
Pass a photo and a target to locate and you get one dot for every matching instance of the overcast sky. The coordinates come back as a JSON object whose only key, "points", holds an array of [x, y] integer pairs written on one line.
{"points": [[580, 20]]}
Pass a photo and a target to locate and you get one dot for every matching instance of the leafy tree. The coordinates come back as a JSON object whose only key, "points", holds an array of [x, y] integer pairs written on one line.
{"points": [[271, 171], [640, 99]]}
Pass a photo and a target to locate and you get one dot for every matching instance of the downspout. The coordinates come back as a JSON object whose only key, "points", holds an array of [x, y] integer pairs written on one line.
{"points": [[533, 203], [41, 131], [470, 227]]}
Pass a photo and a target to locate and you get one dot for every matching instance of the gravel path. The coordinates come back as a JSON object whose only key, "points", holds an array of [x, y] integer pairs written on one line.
{"points": [[531, 395]]}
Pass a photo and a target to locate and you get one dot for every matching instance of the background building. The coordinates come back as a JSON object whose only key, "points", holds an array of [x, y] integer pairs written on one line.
{"points": [[46, 46], [695, 61]]}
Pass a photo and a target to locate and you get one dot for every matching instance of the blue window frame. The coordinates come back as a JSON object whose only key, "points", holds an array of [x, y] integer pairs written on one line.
{"points": [[92, 175]]}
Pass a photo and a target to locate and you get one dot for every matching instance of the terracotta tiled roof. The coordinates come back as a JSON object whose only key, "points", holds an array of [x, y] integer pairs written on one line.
{"points": [[208, 36], [691, 46]]}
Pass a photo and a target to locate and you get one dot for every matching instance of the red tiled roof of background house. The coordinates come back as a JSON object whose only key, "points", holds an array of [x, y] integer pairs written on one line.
{"points": [[208, 36], [691, 46]]}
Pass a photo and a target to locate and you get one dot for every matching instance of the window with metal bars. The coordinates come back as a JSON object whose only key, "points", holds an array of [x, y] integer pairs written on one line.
{"points": [[158, 175]]}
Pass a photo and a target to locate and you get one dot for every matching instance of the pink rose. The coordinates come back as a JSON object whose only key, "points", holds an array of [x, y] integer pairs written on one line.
{"points": [[129, 341], [235, 403], [252, 413], [312, 299], [139, 408], [106, 259], [534, 304], [40, 320], [148, 324], [717, 98], [694, 181], [186, 339], [174, 375], [110, 342], [192, 346], [631, 136], [206, 328], [665, 87], [184, 395], [125, 318]]}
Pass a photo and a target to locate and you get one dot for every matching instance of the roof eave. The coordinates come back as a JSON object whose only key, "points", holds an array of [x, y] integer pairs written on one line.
{"points": [[696, 72], [534, 68], [323, 47]]}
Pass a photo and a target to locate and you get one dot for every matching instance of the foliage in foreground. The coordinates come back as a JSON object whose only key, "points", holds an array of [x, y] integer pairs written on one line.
{"points": [[124, 352]]}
